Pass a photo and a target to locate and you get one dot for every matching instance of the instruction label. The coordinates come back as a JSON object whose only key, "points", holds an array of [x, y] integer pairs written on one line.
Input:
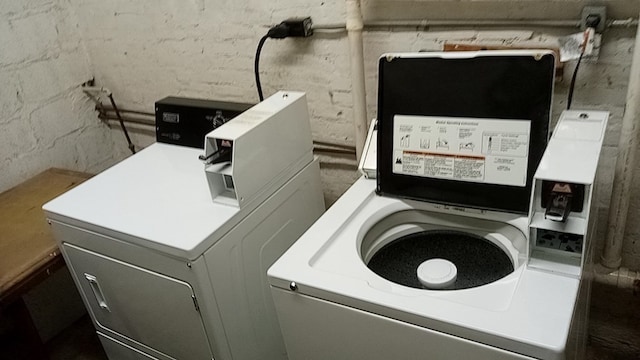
{"points": [[492, 151]]}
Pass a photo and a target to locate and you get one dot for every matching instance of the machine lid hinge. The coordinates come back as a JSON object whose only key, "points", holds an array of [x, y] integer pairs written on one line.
{"points": [[195, 302]]}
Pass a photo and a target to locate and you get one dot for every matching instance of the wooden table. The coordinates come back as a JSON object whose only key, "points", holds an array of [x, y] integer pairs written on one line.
{"points": [[27, 249], [28, 252]]}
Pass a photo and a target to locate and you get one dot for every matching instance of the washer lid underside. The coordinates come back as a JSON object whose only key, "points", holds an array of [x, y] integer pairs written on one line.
{"points": [[468, 128]]}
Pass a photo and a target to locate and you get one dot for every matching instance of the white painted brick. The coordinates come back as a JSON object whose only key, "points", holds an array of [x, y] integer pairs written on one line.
{"points": [[20, 8], [69, 39], [53, 121], [46, 78], [505, 36], [451, 35], [62, 155], [25, 38], [17, 138], [11, 7], [321, 11], [41, 119], [95, 150], [106, 19], [10, 97], [488, 9], [597, 75], [7, 40], [11, 175], [617, 47]]}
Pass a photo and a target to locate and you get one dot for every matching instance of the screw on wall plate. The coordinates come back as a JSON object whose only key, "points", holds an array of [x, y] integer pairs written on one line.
{"points": [[293, 286]]}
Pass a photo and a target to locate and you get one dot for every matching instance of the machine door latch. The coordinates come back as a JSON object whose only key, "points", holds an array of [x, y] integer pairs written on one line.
{"points": [[97, 291]]}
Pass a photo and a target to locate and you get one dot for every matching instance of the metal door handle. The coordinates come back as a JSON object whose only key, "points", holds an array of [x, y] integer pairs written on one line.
{"points": [[97, 291]]}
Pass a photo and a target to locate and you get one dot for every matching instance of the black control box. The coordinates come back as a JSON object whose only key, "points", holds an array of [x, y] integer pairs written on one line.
{"points": [[185, 121]]}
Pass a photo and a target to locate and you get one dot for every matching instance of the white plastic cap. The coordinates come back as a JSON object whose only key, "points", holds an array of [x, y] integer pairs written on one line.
{"points": [[437, 273]]}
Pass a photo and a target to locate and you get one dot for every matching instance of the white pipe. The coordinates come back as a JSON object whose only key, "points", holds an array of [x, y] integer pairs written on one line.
{"points": [[623, 176], [474, 22], [613, 23], [95, 89], [354, 32]]}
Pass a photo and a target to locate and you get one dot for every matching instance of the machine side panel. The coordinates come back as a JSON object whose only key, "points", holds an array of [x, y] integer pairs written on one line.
{"points": [[129, 300], [238, 265], [355, 334]]}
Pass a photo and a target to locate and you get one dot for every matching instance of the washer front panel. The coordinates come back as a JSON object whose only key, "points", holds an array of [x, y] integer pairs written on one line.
{"points": [[511, 313]]}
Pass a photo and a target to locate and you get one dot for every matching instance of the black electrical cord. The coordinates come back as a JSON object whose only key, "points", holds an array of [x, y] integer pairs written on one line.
{"points": [[573, 81], [279, 31], [214, 156], [591, 22], [256, 66], [124, 129]]}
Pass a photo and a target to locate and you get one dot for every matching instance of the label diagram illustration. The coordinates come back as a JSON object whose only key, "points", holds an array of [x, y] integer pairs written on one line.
{"points": [[481, 150]]}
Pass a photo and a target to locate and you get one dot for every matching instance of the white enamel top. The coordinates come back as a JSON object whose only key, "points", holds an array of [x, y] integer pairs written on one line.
{"points": [[528, 311], [159, 197]]}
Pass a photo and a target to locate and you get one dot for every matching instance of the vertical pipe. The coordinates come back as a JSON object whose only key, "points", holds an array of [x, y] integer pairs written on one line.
{"points": [[354, 31], [627, 146]]}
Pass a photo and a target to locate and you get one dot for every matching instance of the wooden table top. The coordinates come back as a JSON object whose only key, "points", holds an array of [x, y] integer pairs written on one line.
{"points": [[26, 243]]}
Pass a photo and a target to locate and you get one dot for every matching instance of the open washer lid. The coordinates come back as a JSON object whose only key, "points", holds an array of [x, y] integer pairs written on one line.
{"points": [[463, 128]]}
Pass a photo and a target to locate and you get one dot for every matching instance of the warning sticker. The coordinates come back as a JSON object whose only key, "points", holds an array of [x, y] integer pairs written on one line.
{"points": [[493, 151]]}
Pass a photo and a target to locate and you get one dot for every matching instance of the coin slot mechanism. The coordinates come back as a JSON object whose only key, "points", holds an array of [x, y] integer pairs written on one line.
{"points": [[559, 199]]}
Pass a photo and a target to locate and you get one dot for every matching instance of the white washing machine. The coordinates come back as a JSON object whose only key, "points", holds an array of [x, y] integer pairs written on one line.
{"points": [[171, 262], [456, 250]]}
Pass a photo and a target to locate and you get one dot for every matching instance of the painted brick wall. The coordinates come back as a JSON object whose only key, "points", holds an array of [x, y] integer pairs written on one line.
{"points": [[45, 121]]}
